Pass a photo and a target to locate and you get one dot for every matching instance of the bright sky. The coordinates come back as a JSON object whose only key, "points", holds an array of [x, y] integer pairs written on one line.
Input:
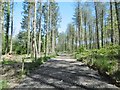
{"points": [[66, 12]]}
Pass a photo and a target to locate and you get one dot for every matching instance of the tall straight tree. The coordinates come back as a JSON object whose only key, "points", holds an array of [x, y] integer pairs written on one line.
{"points": [[55, 18], [97, 31], [11, 41], [34, 31], [1, 20], [27, 23], [28, 42], [90, 36], [47, 28], [102, 14], [40, 19], [7, 24], [85, 24], [46, 18], [111, 21], [77, 21], [117, 7]]}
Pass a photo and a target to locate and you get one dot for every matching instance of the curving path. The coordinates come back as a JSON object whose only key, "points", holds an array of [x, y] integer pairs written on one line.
{"points": [[65, 73]]}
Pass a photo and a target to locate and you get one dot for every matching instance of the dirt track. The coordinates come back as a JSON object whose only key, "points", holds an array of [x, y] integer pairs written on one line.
{"points": [[65, 73]]}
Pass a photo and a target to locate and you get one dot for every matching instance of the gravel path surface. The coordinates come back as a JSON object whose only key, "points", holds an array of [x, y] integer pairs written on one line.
{"points": [[65, 73]]}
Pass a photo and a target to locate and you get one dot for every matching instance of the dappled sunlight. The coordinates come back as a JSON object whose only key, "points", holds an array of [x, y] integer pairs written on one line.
{"points": [[64, 74]]}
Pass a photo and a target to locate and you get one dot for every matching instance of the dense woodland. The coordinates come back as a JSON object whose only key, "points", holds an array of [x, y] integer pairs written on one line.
{"points": [[93, 37], [95, 25]]}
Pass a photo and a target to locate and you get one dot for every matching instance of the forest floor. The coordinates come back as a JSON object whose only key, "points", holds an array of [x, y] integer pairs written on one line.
{"points": [[9, 71], [63, 72]]}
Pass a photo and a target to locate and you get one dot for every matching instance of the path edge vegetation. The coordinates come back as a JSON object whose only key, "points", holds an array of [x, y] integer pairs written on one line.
{"points": [[104, 60]]}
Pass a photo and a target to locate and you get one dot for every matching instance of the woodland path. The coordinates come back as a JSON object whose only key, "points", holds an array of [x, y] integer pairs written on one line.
{"points": [[64, 73]]}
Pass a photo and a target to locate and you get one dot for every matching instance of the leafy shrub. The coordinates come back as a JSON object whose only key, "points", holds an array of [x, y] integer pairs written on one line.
{"points": [[81, 49]]}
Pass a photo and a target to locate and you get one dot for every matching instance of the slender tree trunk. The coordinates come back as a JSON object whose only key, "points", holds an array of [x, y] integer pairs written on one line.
{"points": [[72, 41], [85, 37], [90, 37], [47, 27], [28, 43], [76, 39], [102, 28], [34, 22], [106, 32], [31, 44], [111, 22], [7, 28], [3, 31], [97, 31], [1, 23], [94, 39], [117, 7], [40, 41], [53, 41], [50, 26], [79, 24], [11, 28]]}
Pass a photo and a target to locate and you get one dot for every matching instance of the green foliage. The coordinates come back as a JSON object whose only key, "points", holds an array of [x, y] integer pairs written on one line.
{"points": [[84, 55], [106, 65], [19, 44], [103, 59], [7, 62], [52, 56], [81, 49], [37, 63], [3, 84]]}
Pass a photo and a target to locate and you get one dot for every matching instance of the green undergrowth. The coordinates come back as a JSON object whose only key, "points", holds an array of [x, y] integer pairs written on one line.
{"points": [[36, 63], [7, 62], [105, 59], [3, 84]]}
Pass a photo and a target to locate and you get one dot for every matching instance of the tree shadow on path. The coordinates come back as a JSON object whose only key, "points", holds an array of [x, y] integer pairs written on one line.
{"points": [[61, 74]]}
